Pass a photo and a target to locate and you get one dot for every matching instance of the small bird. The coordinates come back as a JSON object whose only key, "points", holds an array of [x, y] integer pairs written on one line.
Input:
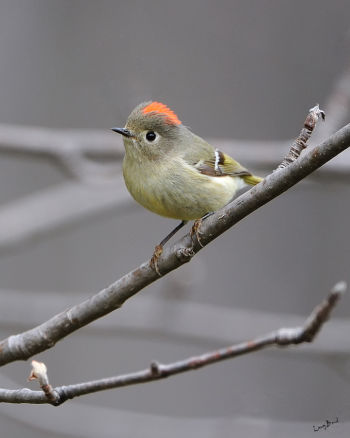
{"points": [[173, 172]]}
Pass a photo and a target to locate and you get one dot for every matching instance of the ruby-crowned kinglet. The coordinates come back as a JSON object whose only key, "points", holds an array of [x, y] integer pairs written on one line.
{"points": [[173, 172]]}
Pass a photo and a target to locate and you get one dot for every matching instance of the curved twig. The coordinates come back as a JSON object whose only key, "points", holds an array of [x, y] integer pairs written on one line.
{"points": [[157, 371]]}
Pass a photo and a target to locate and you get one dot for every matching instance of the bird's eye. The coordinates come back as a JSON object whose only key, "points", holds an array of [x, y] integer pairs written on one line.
{"points": [[151, 136]]}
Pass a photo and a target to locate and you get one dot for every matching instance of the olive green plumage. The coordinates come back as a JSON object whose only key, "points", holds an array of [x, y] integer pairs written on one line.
{"points": [[173, 172]]}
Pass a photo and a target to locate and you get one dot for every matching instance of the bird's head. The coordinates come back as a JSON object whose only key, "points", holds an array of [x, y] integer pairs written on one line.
{"points": [[152, 130]]}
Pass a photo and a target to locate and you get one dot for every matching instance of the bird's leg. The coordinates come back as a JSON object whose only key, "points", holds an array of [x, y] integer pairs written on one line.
{"points": [[196, 226], [159, 248]]}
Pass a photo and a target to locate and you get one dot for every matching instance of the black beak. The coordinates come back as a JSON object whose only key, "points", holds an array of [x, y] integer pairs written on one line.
{"points": [[122, 131]]}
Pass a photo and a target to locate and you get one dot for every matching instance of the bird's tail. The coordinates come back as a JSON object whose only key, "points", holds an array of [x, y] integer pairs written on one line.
{"points": [[252, 179]]}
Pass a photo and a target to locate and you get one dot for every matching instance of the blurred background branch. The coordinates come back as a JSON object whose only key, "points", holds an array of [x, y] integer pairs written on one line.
{"points": [[48, 210]]}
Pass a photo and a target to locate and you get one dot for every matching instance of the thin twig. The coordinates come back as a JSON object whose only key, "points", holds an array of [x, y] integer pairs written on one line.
{"points": [[299, 143], [157, 371], [44, 336], [194, 322], [39, 372]]}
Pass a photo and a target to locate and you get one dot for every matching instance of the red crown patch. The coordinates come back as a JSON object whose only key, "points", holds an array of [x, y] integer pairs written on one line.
{"points": [[163, 110]]}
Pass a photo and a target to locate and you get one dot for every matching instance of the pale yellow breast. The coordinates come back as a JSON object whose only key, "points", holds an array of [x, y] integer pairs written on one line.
{"points": [[177, 190]]}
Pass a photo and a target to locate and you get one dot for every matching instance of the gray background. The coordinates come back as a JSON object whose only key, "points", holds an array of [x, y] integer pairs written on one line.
{"points": [[230, 69]]}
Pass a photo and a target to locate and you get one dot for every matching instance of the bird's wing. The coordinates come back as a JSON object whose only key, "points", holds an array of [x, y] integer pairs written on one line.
{"points": [[221, 165], [213, 162]]}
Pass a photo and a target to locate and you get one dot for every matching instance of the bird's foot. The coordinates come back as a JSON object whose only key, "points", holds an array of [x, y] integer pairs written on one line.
{"points": [[154, 260], [195, 231]]}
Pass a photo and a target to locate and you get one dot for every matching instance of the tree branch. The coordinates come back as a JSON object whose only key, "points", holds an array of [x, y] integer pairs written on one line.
{"points": [[157, 371], [299, 144], [24, 345]]}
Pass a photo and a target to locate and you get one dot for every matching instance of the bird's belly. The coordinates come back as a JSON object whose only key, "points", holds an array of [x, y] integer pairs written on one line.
{"points": [[184, 197]]}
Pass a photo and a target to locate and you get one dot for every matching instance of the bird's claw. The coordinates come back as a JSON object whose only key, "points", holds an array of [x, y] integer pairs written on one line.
{"points": [[195, 231], [154, 260]]}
